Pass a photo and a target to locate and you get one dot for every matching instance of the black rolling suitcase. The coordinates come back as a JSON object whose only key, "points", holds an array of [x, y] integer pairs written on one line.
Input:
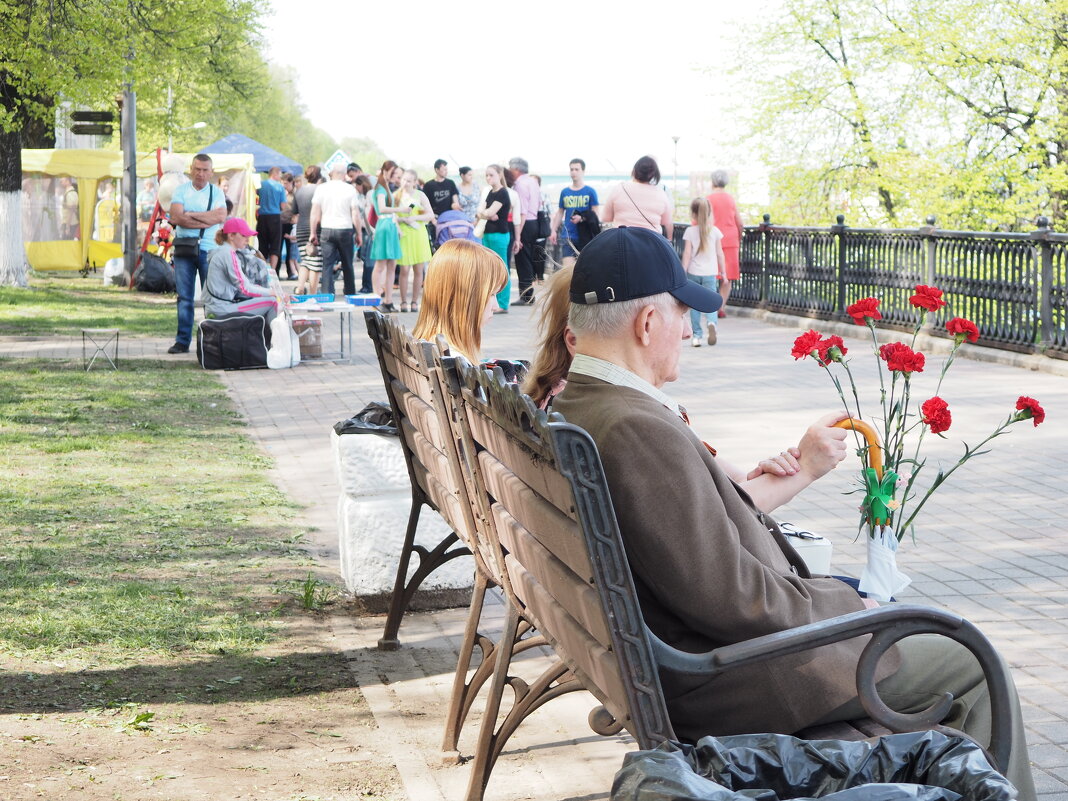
{"points": [[232, 343]]}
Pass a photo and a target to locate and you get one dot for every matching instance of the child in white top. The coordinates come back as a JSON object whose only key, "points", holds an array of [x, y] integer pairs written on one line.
{"points": [[703, 260]]}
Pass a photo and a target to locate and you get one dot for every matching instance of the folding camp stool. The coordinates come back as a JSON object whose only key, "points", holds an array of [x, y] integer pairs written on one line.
{"points": [[102, 340]]}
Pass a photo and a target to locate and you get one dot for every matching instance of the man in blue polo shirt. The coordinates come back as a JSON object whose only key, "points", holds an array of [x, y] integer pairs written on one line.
{"points": [[198, 208], [574, 200], [269, 222]]}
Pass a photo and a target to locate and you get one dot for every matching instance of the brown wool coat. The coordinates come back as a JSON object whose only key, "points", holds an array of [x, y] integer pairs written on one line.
{"points": [[708, 572]]}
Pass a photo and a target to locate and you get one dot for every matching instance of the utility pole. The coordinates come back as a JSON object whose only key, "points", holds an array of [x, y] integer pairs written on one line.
{"points": [[128, 140], [675, 178]]}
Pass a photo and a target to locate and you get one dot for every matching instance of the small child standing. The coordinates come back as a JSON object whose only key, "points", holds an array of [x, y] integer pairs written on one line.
{"points": [[703, 260]]}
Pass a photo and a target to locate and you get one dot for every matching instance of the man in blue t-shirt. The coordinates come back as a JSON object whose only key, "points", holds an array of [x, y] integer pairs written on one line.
{"points": [[269, 221], [197, 210], [574, 200]]}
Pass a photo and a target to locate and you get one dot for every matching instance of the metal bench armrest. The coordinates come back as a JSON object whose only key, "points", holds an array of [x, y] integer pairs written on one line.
{"points": [[886, 625]]}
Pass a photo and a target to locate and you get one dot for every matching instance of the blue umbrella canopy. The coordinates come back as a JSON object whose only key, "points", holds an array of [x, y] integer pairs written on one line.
{"points": [[263, 157]]}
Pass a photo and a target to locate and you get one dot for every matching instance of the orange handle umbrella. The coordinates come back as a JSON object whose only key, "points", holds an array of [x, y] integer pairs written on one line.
{"points": [[875, 453]]}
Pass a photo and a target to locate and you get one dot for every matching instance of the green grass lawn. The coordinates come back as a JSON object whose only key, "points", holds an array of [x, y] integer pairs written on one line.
{"points": [[61, 304], [136, 517]]}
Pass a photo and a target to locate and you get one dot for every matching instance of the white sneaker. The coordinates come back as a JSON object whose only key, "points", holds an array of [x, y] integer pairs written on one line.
{"points": [[695, 342]]}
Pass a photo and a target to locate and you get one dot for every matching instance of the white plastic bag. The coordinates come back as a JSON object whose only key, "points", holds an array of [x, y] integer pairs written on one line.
{"points": [[285, 344], [881, 579]]}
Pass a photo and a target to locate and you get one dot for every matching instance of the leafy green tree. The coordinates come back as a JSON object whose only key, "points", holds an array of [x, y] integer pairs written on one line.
{"points": [[891, 111], [84, 50]]}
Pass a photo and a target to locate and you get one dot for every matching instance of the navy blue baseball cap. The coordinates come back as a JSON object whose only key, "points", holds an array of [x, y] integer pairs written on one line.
{"points": [[629, 263]]}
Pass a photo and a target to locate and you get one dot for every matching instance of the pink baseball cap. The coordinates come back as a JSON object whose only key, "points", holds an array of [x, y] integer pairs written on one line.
{"points": [[236, 225]]}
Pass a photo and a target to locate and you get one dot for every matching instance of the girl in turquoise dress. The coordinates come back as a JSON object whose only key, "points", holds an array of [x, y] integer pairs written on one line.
{"points": [[414, 241], [386, 248]]}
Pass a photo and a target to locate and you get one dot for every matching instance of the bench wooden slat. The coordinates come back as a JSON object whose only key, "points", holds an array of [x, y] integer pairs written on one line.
{"points": [[529, 468], [558, 533], [573, 592], [595, 666]]}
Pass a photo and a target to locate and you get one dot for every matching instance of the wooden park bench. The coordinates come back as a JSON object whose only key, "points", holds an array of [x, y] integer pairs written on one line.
{"points": [[526, 494], [429, 441], [541, 483]]}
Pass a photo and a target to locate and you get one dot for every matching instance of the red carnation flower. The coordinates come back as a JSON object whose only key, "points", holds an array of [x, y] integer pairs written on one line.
{"points": [[864, 309], [962, 329], [805, 344], [1029, 409], [901, 358], [831, 349], [927, 297], [935, 413]]}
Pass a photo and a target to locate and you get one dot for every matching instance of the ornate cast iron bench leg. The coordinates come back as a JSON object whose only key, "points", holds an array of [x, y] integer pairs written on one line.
{"points": [[404, 588]]}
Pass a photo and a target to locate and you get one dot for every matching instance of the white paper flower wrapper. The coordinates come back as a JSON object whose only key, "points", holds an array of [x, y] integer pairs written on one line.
{"points": [[881, 579]]}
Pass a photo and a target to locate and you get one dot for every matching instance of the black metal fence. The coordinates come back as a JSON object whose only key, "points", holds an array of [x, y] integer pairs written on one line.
{"points": [[1013, 286]]}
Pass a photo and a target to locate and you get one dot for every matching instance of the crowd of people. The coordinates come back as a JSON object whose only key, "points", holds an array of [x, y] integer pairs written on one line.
{"points": [[314, 226], [314, 229]]}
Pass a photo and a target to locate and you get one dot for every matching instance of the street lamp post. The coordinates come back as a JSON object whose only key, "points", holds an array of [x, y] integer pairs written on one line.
{"points": [[675, 178]]}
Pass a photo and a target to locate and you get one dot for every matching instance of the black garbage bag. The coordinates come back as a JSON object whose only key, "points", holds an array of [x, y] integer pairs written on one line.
{"points": [[374, 418], [154, 274], [918, 766]]}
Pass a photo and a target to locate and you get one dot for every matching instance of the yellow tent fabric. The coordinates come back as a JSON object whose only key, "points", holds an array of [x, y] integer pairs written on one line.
{"points": [[92, 166]]}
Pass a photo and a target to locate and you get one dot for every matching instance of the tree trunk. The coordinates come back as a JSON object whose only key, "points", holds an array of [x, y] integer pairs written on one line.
{"points": [[13, 266]]}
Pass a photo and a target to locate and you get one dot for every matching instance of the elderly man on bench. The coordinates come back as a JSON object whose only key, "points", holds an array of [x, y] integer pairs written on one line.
{"points": [[710, 569]]}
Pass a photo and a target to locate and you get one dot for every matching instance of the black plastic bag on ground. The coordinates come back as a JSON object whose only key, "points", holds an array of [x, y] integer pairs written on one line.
{"points": [[154, 274], [374, 418], [918, 766]]}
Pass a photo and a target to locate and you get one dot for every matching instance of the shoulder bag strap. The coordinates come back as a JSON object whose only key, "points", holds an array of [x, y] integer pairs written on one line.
{"points": [[625, 192]]}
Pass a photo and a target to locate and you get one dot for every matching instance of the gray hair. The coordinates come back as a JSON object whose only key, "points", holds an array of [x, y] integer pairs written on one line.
{"points": [[337, 171], [608, 320], [719, 178], [519, 164]]}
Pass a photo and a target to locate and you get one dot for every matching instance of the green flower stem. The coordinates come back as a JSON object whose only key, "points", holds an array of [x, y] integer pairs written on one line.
{"points": [[853, 386], [969, 452], [923, 429]]}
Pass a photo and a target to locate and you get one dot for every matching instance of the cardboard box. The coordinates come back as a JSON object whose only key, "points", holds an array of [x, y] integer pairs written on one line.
{"points": [[310, 333]]}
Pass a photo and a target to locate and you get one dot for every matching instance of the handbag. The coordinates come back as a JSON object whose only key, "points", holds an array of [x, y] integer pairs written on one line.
{"points": [[543, 225], [186, 246], [480, 228]]}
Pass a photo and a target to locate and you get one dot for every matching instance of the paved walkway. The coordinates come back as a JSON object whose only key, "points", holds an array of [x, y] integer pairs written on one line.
{"points": [[991, 546]]}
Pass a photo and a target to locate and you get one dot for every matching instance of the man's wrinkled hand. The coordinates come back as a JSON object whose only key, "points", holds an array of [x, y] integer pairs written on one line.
{"points": [[823, 447]]}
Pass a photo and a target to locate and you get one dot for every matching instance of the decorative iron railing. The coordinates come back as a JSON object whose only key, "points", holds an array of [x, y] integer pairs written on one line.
{"points": [[1013, 286]]}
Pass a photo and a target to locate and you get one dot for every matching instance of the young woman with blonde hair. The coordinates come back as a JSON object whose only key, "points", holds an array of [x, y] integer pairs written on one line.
{"points": [[459, 296]]}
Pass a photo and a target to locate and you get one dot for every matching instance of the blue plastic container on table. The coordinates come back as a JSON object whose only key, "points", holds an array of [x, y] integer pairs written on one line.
{"points": [[366, 299]]}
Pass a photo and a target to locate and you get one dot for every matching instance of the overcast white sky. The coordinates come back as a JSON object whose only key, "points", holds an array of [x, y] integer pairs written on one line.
{"points": [[477, 82]]}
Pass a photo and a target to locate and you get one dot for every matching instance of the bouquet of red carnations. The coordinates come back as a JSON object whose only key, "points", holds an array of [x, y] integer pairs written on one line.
{"points": [[891, 465]]}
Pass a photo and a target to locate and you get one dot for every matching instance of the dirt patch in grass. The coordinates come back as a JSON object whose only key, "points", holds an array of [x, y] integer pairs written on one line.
{"points": [[282, 722]]}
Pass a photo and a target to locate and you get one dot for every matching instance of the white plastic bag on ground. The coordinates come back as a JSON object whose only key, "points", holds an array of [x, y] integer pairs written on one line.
{"points": [[285, 344]]}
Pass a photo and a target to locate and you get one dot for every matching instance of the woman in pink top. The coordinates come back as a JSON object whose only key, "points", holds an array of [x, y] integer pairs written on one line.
{"points": [[729, 222], [641, 203]]}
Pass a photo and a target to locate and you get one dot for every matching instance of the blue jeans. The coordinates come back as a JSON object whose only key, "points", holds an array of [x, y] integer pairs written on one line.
{"points": [[712, 282], [185, 276], [337, 245]]}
